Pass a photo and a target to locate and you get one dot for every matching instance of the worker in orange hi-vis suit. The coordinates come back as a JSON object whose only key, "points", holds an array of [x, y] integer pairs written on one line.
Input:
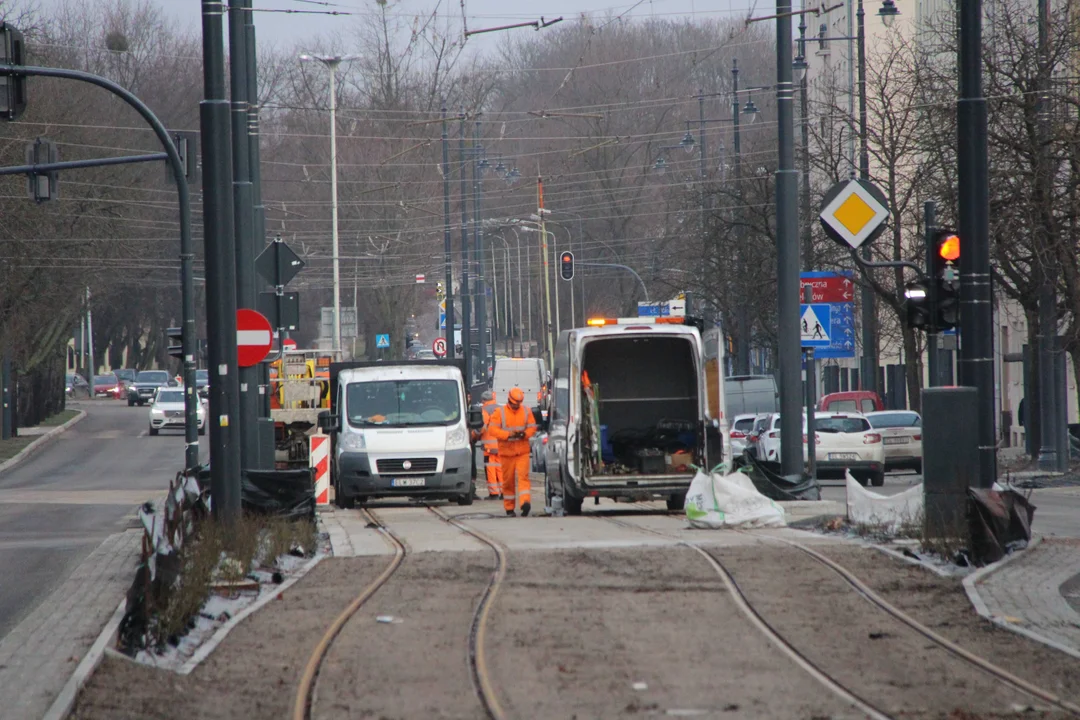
{"points": [[492, 468], [513, 426]]}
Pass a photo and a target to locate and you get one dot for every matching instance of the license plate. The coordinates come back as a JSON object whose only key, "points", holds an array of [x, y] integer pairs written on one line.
{"points": [[408, 482], [843, 456], [896, 441]]}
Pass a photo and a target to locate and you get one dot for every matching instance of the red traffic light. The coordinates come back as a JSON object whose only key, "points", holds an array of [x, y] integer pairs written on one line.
{"points": [[949, 248]]}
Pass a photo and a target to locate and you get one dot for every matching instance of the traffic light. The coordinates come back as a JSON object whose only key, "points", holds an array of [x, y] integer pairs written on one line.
{"points": [[916, 306], [566, 265], [440, 290], [42, 186], [12, 87], [176, 342], [945, 273]]}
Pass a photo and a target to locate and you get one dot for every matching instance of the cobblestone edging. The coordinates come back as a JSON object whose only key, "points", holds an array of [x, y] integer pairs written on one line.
{"points": [[1021, 593]]}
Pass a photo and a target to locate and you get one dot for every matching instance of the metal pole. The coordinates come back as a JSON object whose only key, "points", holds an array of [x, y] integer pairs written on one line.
{"points": [[243, 220], [869, 374], [1047, 331], [547, 274], [332, 67], [558, 320], [521, 305], [804, 188], [811, 398], [90, 341], [976, 301], [742, 314], [932, 336], [581, 240], [220, 270], [265, 454], [787, 239], [702, 162], [495, 324], [466, 302], [448, 259], [478, 250]]}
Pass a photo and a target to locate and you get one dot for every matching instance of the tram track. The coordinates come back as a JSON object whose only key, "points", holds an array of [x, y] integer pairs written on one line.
{"points": [[829, 680]]}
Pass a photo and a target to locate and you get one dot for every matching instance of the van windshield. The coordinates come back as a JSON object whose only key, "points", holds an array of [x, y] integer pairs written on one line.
{"points": [[402, 403]]}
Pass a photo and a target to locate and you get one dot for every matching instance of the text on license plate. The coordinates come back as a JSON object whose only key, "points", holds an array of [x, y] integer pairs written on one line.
{"points": [[843, 456], [896, 441], [408, 482]]}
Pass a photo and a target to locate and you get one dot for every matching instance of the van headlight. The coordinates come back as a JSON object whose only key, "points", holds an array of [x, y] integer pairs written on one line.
{"points": [[457, 439], [351, 442]]}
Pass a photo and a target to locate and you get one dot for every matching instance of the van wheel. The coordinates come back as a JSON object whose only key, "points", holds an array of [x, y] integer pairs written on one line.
{"points": [[877, 479], [676, 501], [466, 499], [572, 505]]}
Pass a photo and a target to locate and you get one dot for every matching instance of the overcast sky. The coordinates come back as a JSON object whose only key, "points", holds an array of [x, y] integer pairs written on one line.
{"points": [[287, 28]]}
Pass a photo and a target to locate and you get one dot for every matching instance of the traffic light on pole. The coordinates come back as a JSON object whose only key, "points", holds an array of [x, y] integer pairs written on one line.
{"points": [[946, 276], [176, 342], [916, 306], [12, 87], [566, 265]]}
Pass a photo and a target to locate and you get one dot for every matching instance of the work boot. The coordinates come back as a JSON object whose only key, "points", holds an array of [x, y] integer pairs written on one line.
{"points": [[495, 496], [525, 508], [511, 513]]}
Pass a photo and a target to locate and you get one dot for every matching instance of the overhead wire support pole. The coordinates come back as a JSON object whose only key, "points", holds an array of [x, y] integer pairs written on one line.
{"points": [[547, 273], [187, 246], [448, 259], [243, 220], [220, 269], [478, 250], [976, 302], [466, 301], [869, 305], [788, 251]]}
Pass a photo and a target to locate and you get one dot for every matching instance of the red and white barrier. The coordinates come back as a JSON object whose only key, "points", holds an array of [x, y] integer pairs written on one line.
{"points": [[320, 460]]}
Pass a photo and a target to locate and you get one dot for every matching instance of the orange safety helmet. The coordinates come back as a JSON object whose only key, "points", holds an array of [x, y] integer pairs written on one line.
{"points": [[516, 395]]}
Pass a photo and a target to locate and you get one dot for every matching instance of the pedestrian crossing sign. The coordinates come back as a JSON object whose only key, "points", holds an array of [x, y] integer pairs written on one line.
{"points": [[382, 340], [814, 325]]}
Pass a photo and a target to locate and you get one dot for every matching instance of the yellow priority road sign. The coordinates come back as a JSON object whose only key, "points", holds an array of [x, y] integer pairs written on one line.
{"points": [[854, 212]]}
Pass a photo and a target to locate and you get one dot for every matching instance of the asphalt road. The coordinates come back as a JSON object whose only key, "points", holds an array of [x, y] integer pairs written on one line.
{"points": [[58, 506]]}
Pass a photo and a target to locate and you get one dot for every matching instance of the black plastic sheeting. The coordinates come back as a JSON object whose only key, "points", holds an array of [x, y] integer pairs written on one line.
{"points": [[286, 493], [999, 522], [778, 487]]}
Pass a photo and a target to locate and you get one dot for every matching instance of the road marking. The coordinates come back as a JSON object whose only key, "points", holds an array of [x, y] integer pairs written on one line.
{"points": [[78, 497]]}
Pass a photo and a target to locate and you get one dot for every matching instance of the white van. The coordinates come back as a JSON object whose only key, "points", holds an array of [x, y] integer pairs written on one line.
{"points": [[400, 430], [630, 414], [529, 374]]}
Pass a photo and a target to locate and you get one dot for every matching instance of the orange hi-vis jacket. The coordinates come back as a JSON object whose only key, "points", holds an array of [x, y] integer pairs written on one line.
{"points": [[507, 421], [487, 440]]}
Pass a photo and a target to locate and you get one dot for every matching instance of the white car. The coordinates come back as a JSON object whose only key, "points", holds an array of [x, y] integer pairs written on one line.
{"points": [[846, 441], [167, 411], [741, 427], [768, 438], [901, 434]]}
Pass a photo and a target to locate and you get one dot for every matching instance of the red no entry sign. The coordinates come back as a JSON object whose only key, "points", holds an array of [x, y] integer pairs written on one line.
{"points": [[439, 347], [253, 337]]}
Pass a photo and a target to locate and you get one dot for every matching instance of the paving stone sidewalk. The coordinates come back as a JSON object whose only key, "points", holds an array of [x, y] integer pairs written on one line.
{"points": [[1028, 592], [39, 655]]}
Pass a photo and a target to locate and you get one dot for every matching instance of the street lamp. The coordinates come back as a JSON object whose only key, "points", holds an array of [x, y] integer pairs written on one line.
{"points": [[331, 62], [888, 13]]}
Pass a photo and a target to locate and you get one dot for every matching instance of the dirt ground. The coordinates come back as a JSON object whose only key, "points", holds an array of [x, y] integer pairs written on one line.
{"points": [[942, 605], [599, 633]]}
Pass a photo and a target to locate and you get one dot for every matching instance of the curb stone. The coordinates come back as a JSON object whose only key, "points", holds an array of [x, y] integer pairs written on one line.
{"points": [[36, 446]]}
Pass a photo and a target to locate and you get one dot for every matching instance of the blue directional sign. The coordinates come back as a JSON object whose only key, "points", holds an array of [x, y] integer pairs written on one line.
{"points": [[832, 314], [442, 321], [382, 340]]}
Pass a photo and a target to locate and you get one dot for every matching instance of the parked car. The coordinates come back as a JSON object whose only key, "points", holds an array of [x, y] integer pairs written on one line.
{"points": [[146, 384], [901, 436], [125, 375], [847, 442], [107, 386], [753, 438], [76, 386], [167, 411], [202, 383], [856, 401], [741, 428], [768, 439]]}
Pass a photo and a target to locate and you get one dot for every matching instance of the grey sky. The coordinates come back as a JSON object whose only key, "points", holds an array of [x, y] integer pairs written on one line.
{"points": [[287, 28]]}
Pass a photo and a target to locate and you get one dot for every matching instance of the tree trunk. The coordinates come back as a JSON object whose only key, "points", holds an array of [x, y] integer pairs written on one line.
{"points": [[1032, 416]]}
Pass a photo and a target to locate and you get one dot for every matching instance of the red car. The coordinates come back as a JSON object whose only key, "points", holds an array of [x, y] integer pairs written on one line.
{"points": [[108, 386], [857, 401]]}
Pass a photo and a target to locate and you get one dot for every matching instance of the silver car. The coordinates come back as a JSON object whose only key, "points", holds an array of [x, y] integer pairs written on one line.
{"points": [[741, 427]]}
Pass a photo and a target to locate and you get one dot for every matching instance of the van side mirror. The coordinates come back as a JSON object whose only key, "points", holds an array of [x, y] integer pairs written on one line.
{"points": [[475, 419], [328, 422]]}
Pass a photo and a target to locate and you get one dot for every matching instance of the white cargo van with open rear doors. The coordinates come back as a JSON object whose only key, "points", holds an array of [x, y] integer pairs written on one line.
{"points": [[630, 417]]}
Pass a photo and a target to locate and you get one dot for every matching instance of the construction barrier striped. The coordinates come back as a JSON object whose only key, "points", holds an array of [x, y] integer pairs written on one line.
{"points": [[320, 460]]}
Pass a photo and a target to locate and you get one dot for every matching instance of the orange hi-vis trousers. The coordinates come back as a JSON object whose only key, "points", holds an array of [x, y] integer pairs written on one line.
{"points": [[515, 480], [493, 471]]}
